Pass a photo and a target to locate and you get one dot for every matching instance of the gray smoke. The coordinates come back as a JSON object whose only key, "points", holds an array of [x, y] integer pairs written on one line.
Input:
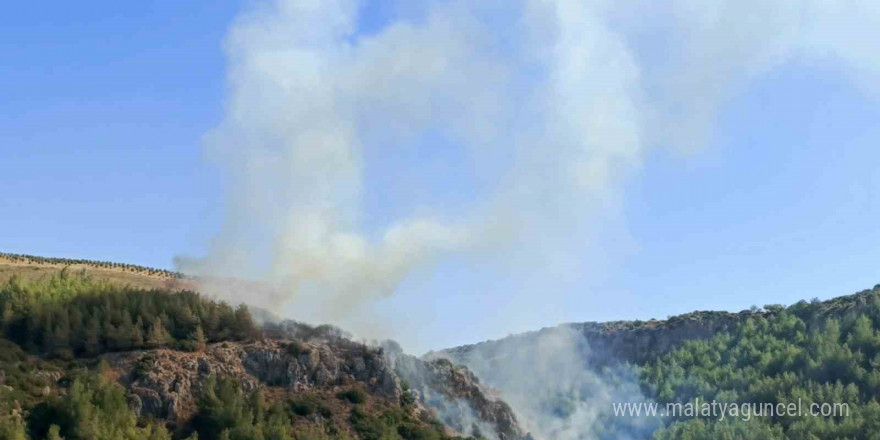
{"points": [[556, 387], [553, 103], [555, 100], [307, 104], [456, 412]]}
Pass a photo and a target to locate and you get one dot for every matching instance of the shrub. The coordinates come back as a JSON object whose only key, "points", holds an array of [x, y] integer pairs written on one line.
{"points": [[353, 396]]}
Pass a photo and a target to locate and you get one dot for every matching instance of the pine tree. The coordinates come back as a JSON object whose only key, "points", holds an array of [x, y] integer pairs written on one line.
{"points": [[863, 337], [157, 336], [244, 324], [8, 317], [198, 338], [92, 345], [186, 320], [126, 332], [77, 330], [33, 330], [137, 339], [257, 405], [111, 334], [211, 320], [61, 338]]}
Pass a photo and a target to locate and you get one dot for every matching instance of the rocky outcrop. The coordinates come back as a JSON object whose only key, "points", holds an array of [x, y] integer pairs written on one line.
{"points": [[166, 383], [457, 382], [637, 341], [611, 342], [457, 396]]}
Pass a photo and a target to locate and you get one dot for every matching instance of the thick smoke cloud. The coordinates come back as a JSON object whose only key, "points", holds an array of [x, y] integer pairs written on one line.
{"points": [[552, 103]]}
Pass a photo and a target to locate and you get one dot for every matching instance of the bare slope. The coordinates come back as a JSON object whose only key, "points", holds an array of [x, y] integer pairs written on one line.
{"points": [[31, 267]]}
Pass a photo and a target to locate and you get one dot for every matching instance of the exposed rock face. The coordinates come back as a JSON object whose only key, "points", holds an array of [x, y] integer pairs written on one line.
{"points": [[166, 384], [611, 342], [457, 396], [457, 382]]}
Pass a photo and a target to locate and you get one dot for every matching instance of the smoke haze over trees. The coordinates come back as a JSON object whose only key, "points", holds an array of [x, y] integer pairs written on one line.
{"points": [[536, 112]]}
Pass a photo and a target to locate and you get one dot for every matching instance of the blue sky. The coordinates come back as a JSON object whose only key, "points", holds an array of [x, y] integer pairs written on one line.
{"points": [[104, 105]]}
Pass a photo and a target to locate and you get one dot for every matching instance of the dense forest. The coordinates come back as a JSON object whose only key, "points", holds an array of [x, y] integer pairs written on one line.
{"points": [[815, 352], [73, 315]]}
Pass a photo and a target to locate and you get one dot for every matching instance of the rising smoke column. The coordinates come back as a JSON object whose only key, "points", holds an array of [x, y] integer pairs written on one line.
{"points": [[557, 100], [309, 98]]}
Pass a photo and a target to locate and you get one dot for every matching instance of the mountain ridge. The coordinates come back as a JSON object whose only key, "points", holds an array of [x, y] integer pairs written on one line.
{"points": [[641, 335]]}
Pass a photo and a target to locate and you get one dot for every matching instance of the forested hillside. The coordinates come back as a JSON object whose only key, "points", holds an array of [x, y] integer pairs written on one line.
{"points": [[75, 315], [823, 352], [84, 358], [819, 352]]}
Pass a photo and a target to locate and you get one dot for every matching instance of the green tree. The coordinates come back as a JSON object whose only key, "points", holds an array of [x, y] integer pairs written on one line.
{"points": [[54, 433], [60, 340], [92, 345], [157, 336], [13, 429], [244, 327]]}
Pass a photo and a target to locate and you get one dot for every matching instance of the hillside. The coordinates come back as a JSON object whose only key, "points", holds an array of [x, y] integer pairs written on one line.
{"points": [[30, 267], [811, 352], [90, 358]]}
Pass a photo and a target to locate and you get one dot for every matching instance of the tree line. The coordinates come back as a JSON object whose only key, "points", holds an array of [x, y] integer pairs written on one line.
{"points": [[23, 258], [74, 315]]}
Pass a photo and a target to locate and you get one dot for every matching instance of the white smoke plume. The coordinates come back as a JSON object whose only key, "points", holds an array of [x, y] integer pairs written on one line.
{"points": [[552, 103], [558, 391]]}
